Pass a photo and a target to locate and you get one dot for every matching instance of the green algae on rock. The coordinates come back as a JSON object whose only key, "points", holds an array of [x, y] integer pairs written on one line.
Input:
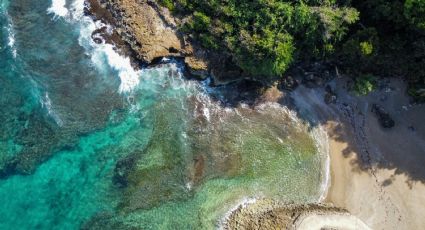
{"points": [[202, 159]]}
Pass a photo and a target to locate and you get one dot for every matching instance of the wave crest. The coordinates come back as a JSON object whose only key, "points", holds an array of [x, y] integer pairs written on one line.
{"points": [[11, 36], [58, 8]]}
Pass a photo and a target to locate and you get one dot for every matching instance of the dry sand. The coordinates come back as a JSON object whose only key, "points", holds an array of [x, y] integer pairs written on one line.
{"points": [[377, 174], [318, 221]]}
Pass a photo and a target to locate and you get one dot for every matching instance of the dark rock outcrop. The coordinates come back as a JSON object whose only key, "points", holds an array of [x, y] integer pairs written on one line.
{"points": [[269, 214], [383, 117], [288, 83], [330, 95], [151, 33], [122, 170]]}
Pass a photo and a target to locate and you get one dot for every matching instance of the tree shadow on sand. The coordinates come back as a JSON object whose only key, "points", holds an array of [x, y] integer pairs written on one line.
{"points": [[400, 149]]}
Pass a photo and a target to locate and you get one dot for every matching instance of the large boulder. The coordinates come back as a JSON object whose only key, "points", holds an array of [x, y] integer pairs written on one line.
{"points": [[151, 32], [143, 28]]}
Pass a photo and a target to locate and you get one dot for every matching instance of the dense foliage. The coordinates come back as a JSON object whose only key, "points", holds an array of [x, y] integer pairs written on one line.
{"points": [[266, 36], [378, 37], [395, 35], [364, 84]]}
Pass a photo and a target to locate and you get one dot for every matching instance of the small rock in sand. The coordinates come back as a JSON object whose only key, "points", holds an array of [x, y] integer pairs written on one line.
{"points": [[383, 117], [330, 95]]}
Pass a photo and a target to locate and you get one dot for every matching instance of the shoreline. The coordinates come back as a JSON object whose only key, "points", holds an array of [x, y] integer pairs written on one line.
{"points": [[271, 214], [327, 183], [362, 173], [375, 173], [363, 181]]}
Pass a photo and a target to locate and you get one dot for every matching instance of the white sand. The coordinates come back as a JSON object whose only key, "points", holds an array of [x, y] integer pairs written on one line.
{"points": [[330, 221], [376, 174]]}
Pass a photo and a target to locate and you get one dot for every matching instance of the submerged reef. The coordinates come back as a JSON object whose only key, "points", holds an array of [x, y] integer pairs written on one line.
{"points": [[202, 158]]}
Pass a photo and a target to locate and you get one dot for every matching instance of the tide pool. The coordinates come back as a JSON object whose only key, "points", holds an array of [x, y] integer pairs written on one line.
{"points": [[87, 141]]}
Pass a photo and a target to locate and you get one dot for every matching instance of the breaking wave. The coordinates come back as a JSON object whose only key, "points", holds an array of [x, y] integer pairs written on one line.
{"points": [[58, 8], [47, 104], [11, 36], [102, 55]]}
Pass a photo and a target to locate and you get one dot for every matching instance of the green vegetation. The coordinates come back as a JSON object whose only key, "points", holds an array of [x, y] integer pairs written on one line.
{"points": [[167, 3], [395, 33], [366, 48], [364, 84], [265, 37]]}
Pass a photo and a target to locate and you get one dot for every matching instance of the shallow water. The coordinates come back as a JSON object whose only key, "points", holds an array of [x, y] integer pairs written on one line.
{"points": [[88, 141]]}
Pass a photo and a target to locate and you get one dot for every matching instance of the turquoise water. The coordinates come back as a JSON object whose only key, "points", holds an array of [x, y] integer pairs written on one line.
{"points": [[88, 141]]}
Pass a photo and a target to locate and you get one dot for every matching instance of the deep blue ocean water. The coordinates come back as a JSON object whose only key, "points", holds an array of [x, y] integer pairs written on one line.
{"points": [[71, 109]]}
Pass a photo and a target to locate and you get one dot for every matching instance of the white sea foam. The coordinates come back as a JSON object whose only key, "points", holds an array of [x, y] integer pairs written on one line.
{"points": [[305, 103], [11, 36], [128, 76], [11, 42], [103, 55], [244, 202], [320, 136], [58, 8], [77, 9], [47, 103]]}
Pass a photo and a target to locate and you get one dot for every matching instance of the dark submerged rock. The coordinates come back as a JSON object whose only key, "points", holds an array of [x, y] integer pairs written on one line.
{"points": [[383, 117], [288, 83], [122, 170], [330, 95]]}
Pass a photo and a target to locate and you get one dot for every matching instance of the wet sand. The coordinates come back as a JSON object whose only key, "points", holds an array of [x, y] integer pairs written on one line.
{"points": [[377, 174]]}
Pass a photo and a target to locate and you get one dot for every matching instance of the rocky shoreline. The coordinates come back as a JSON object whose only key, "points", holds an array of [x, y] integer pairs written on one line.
{"points": [[150, 36], [269, 214]]}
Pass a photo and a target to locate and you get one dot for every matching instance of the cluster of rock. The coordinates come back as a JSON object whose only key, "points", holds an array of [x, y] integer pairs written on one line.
{"points": [[311, 75], [269, 214], [152, 33], [330, 95]]}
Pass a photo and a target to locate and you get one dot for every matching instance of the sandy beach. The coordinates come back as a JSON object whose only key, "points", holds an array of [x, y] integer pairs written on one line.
{"points": [[377, 174]]}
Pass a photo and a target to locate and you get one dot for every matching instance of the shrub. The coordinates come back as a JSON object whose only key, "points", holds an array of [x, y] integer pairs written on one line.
{"points": [[266, 36], [366, 48], [208, 41], [414, 11], [201, 22], [167, 3], [365, 84]]}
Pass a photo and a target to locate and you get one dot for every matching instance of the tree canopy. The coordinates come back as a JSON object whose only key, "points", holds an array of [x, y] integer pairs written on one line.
{"points": [[266, 36], [378, 37]]}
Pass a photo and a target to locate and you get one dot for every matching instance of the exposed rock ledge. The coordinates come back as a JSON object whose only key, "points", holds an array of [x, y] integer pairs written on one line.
{"points": [[269, 214], [151, 32]]}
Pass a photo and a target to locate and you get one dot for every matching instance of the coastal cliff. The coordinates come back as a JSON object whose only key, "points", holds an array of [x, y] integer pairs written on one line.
{"points": [[104, 130], [151, 33]]}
